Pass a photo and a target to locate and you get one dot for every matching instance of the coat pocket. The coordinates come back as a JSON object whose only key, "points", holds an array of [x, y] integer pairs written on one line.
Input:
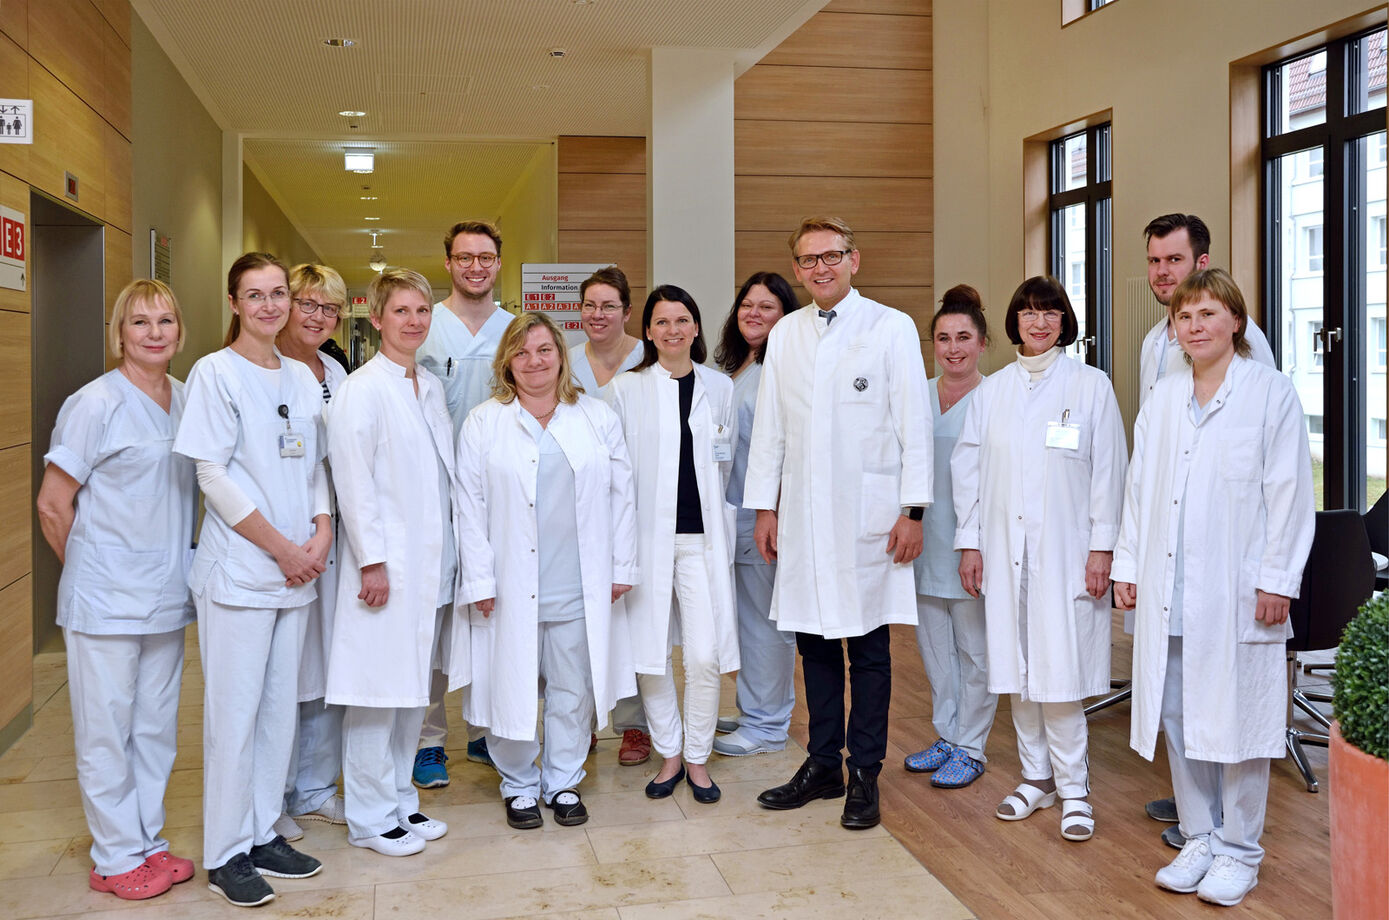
{"points": [[1247, 629], [128, 584]]}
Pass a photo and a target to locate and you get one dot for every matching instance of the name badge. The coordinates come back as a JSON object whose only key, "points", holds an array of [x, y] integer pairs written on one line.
{"points": [[723, 445], [1063, 436], [291, 444]]}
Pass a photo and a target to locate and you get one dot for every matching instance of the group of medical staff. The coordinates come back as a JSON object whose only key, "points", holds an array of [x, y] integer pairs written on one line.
{"points": [[367, 543]]}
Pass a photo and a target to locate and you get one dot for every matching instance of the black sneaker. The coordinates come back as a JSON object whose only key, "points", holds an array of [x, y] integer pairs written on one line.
{"points": [[281, 860], [238, 881]]}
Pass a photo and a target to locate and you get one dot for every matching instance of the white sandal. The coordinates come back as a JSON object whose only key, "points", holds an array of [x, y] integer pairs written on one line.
{"points": [[1077, 813], [1024, 800]]}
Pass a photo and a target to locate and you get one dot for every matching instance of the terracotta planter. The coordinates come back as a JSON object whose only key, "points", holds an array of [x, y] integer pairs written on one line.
{"points": [[1359, 831]]}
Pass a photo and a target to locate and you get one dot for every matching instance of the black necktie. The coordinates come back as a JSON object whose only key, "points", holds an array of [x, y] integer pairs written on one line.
{"points": [[829, 316]]}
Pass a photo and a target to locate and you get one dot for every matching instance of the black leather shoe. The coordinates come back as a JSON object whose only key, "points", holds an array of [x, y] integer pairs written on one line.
{"points": [[704, 795], [861, 804], [663, 789], [812, 781]]}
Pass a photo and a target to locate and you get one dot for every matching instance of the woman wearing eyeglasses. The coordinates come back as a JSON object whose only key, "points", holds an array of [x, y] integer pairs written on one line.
{"points": [[252, 423], [1039, 477], [318, 294]]}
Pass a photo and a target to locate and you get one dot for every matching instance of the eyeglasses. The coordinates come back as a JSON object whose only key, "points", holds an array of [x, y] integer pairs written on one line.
{"points": [[256, 298], [602, 309], [464, 259], [832, 257], [309, 307], [1050, 317]]}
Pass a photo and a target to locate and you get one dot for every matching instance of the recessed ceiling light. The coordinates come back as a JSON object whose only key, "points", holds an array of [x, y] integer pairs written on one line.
{"points": [[556, 52], [360, 160], [371, 218], [583, 2], [349, 113], [368, 198], [339, 42]]}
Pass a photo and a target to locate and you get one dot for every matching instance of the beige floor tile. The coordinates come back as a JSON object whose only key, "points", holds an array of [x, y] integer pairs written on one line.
{"points": [[864, 900], [42, 824], [184, 841], [56, 766], [68, 894], [837, 862], [15, 768], [812, 824], [738, 798], [33, 858], [31, 796], [540, 892], [342, 904]]}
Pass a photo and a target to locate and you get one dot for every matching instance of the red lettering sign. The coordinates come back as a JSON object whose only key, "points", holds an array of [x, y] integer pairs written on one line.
{"points": [[11, 238]]}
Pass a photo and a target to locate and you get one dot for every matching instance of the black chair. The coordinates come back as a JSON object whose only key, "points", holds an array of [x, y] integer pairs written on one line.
{"points": [[1339, 577], [1377, 527]]}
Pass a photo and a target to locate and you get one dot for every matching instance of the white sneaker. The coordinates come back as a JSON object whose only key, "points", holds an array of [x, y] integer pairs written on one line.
{"points": [[426, 827], [1227, 882], [1185, 872], [734, 744], [408, 845], [333, 811], [287, 828]]}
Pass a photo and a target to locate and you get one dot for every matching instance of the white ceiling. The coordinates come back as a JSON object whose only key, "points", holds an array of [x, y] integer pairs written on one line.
{"points": [[459, 96]]}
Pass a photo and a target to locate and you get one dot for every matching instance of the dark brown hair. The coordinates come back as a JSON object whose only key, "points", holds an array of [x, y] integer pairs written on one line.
{"points": [[1042, 292]]}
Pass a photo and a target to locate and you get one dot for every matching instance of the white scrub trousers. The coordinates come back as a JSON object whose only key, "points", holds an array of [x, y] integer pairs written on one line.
{"points": [[124, 695], [1053, 740], [250, 659], [378, 757], [316, 760], [699, 645], [1226, 801], [954, 650], [566, 680], [767, 678]]}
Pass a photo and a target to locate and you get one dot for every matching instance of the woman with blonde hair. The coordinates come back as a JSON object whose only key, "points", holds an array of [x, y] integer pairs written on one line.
{"points": [[123, 596], [550, 525]]}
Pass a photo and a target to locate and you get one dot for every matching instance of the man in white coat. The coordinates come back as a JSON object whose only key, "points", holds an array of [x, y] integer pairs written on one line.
{"points": [[840, 471], [1178, 244], [462, 341]]}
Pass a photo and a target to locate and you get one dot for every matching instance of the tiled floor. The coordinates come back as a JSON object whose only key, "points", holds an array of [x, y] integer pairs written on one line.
{"points": [[635, 859]]}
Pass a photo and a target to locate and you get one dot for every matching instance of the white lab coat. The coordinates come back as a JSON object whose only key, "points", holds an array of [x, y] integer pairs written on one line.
{"points": [[498, 461], [582, 371], [1155, 348], [318, 634], [127, 554], [462, 361], [648, 403], [385, 455], [843, 438], [231, 417], [1015, 497], [1246, 475]]}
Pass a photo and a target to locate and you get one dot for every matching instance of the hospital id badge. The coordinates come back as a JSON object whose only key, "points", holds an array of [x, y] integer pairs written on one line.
{"points": [[723, 451], [291, 444], [1063, 436]]}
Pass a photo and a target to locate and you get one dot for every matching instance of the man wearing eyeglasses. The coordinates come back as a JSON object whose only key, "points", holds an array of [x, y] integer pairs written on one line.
{"points": [[840, 470], [463, 337]]}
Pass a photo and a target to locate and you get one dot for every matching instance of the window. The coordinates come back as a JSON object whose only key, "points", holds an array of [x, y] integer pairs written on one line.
{"points": [[1314, 423], [1323, 204], [1078, 241]]}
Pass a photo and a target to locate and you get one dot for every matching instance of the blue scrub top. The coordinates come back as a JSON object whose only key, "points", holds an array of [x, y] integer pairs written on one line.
{"points": [[938, 567]]}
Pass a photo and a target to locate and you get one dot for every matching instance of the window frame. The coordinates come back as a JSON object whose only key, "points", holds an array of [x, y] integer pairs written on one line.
{"points": [[1097, 197]]}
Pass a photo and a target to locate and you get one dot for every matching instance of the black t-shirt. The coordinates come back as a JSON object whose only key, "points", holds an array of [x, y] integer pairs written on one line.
{"points": [[688, 516]]}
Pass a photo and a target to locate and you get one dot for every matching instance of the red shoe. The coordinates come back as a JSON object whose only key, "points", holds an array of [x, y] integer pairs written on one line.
{"points": [[144, 881], [181, 869], [635, 749]]}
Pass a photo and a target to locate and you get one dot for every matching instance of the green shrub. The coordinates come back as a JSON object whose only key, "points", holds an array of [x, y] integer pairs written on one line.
{"points": [[1360, 687]]}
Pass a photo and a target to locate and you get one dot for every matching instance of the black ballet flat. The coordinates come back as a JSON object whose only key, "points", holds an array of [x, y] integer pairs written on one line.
{"points": [[705, 795], [662, 790]]}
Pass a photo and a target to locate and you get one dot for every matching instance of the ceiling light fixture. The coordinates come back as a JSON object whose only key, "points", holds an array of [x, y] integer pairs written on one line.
{"points": [[339, 42], [359, 160], [556, 52], [349, 113], [367, 198], [377, 262], [371, 218]]}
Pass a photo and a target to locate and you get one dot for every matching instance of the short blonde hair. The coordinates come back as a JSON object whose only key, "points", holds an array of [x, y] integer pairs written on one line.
{"points": [[513, 340], [309, 277], [1216, 284], [815, 224], [141, 290], [392, 280]]}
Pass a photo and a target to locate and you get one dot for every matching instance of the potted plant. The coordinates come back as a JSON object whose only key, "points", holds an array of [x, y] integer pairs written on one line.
{"points": [[1359, 771]]}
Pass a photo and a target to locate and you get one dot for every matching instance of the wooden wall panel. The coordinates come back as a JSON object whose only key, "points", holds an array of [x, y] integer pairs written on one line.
{"points": [[71, 139], [14, 84], [118, 265], [624, 248], [814, 148], [116, 178], [918, 302], [896, 7], [16, 518], [68, 38], [115, 102], [602, 155], [886, 258], [833, 39], [777, 202], [117, 16], [14, 21], [789, 93], [16, 647], [15, 376], [602, 201]]}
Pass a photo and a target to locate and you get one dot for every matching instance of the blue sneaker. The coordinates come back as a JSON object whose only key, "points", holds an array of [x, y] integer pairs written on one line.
{"points": [[477, 753], [958, 771], [430, 772], [931, 759]]}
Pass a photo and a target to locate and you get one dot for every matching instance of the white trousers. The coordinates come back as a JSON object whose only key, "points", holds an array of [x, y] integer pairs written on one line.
{"points": [[1226, 801], [566, 682], [378, 757], [767, 678], [954, 650], [1053, 740], [316, 761], [250, 662], [124, 695], [693, 615]]}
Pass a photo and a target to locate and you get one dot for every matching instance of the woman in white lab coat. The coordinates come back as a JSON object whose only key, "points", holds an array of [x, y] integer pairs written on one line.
{"points": [[681, 426], [549, 522], [123, 596], [390, 445], [1218, 522], [252, 424], [319, 297], [950, 632], [767, 677], [1038, 480]]}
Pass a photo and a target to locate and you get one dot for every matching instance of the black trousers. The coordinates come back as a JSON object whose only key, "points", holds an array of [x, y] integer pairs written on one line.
{"points": [[870, 692]]}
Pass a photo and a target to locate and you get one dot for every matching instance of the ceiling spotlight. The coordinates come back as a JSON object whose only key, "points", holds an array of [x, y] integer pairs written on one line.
{"points": [[371, 218], [359, 159], [367, 198], [349, 113], [377, 262], [339, 42], [556, 52]]}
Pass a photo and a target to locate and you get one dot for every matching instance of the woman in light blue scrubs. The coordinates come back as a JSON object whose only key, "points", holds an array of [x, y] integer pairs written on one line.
{"points": [[123, 596], [607, 304]]}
